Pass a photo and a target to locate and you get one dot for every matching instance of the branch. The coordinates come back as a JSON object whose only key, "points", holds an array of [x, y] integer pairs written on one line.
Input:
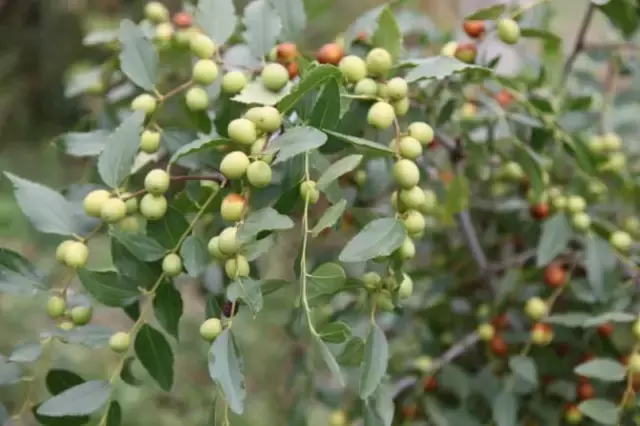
{"points": [[579, 44], [473, 242]]}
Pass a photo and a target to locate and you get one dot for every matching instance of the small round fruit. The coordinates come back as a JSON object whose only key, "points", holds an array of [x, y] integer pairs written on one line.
{"points": [[197, 99], [397, 88], [259, 174], [338, 418], [202, 46], [414, 222], [421, 131], [499, 346], [172, 265], [131, 202], [267, 118], [150, 141], [233, 207], [233, 82], [407, 250], [430, 203], [113, 210], [466, 52], [576, 204], [56, 306], [372, 280], [585, 391], [473, 28], [205, 72], [378, 62], [636, 329], [234, 165], [413, 198], [384, 301], [381, 115], [605, 330], [508, 31], [214, 248], [581, 221], [81, 315], [406, 287], [210, 329], [423, 363], [401, 107], [360, 177], [94, 201], [449, 49], [536, 308], [286, 52], [243, 131], [541, 334], [573, 415], [621, 241], [183, 19], [632, 225], [119, 342], [129, 224], [539, 210], [228, 242], [366, 87], [486, 332], [596, 144], [274, 77], [164, 32], [406, 173], [76, 255], [156, 12], [409, 147], [353, 68], [145, 103], [633, 364], [61, 250], [153, 207], [611, 142], [292, 70], [513, 171], [555, 275], [237, 267], [330, 53], [308, 191], [157, 181]]}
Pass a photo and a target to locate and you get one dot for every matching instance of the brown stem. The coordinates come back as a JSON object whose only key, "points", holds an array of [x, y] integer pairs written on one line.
{"points": [[578, 47]]}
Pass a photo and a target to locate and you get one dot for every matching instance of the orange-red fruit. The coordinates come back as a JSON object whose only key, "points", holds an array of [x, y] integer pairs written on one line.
{"points": [[585, 391], [499, 346], [330, 53], [363, 36], [500, 322], [504, 98], [555, 275], [587, 356], [286, 52], [541, 334], [466, 52], [182, 19], [430, 384], [292, 69], [409, 411], [474, 29], [540, 211], [605, 330]]}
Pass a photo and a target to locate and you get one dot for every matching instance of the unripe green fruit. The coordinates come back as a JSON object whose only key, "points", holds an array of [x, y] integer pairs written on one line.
{"points": [[228, 242], [164, 32], [242, 130], [383, 92], [631, 225], [372, 281], [81, 315], [144, 102], [449, 49], [394, 200], [150, 141], [633, 365], [259, 174], [508, 31], [576, 204], [202, 46], [237, 267], [423, 363], [397, 88], [274, 77], [636, 329], [76, 255], [611, 142], [430, 204], [559, 203], [156, 12], [401, 107], [536, 308], [131, 202], [621, 241], [153, 207], [197, 99], [410, 148], [113, 210], [617, 162], [119, 342], [205, 72], [414, 222], [234, 165], [267, 119], [406, 287], [412, 198], [421, 131], [157, 182], [308, 191], [61, 250], [360, 177], [56, 306], [353, 68], [66, 326], [233, 82], [581, 221], [257, 150], [210, 329], [214, 248], [366, 87], [407, 250], [381, 115], [129, 224], [486, 332], [233, 207], [378, 62], [406, 173], [172, 265], [512, 171], [596, 144], [94, 201], [384, 301]]}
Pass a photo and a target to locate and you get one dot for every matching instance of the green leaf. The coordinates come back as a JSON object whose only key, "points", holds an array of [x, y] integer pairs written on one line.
{"points": [[623, 15], [326, 279], [194, 255], [90, 335], [362, 145], [556, 234], [26, 353], [10, 373], [546, 36], [87, 144], [455, 380], [570, 319], [292, 16], [600, 258], [334, 332], [618, 317], [168, 230], [295, 141], [376, 358], [505, 409], [600, 410], [367, 22], [217, 18], [167, 308], [353, 353], [254, 250], [138, 57], [255, 93], [249, 290], [440, 67], [326, 111], [196, 147], [144, 274], [388, 34], [226, 368], [525, 368], [329, 217], [457, 197], [487, 13], [114, 414], [144, 248], [606, 370], [329, 360], [532, 167], [79, 400], [266, 219], [380, 237], [126, 374], [108, 287], [262, 27], [380, 407], [315, 78], [57, 218], [18, 275], [59, 380], [318, 164], [117, 157], [155, 355], [337, 169]]}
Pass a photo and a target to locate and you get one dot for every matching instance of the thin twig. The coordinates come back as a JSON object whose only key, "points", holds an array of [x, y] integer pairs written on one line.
{"points": [[578, 47]]}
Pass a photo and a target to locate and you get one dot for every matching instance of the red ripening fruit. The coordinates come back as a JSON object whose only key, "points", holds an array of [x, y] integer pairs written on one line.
{"points": [[330, 53], [474, 29], [500, 322], [499, 346], [504, 98], [363, 36], [430, 384], [286, 52], [605, 330], [182, 19], [409, 411], [587, 356], [555, 275], [540, 211], [292, 69], [585, 391], [466, 52]]}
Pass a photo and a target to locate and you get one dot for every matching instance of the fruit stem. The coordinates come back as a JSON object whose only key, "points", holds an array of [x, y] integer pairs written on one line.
{"points": [[303, 253]]}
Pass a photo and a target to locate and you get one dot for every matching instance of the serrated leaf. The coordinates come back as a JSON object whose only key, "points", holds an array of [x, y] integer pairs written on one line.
{"points": [[505, 409], [315, 78], [329, 360], [138, 56], [109, 287], [556, 234], [18, 275], [600, 258], [142, 247], [249, 290], [326, 279], [262, 27], [337, 169], [353, 353], [226, 368], [117, 157], [440, 67], [380, 237], [296, 141], [167, 308], [86, 144], [255, 93], [266, 219], [600, 410], [326, 111], [362, 145], [217, 18], [196, 147], [388, 34], [57, 218], [195, 256], [487, 13], [525, 368], [329, 217], [376, 358], [79, 400], [606, 370], [155, 355], [334, 332], [292, 16]]}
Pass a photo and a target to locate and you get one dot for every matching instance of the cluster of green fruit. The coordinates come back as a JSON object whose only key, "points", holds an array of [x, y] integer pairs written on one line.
{"points": [[607, 149], [69, 318]]}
